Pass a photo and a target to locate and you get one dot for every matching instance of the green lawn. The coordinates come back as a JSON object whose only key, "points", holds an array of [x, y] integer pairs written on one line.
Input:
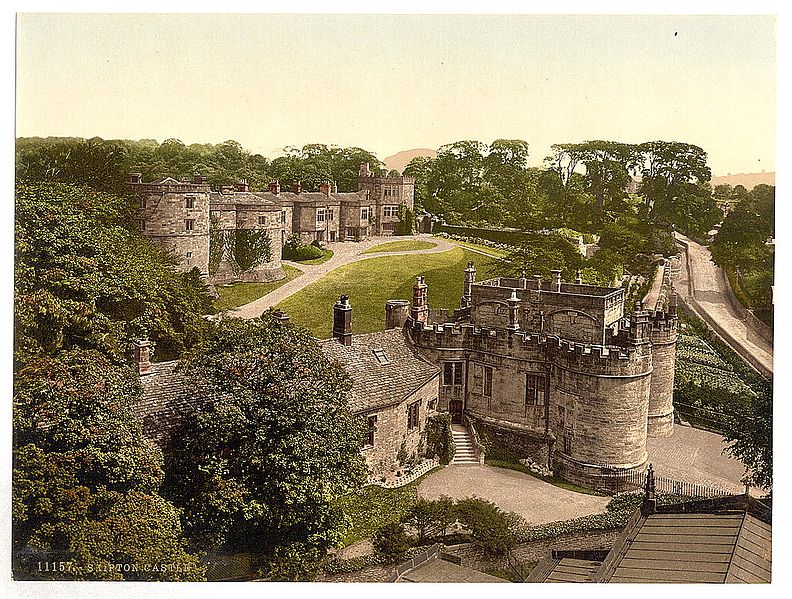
{"points": [[370, 283], [240, 294], [408, 245], [474, 246], [371, 508], [327, 255]]}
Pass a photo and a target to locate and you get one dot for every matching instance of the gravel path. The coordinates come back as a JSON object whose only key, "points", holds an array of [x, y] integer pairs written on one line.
{"points": [[535, 500], [343, 253]]}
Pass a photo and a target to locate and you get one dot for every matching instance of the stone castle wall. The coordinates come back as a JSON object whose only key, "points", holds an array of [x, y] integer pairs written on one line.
{"points": [[165, 216], [661, 395]]}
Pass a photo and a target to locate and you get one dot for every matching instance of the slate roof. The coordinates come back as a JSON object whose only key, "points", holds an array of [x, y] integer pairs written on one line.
{"points": [[241, 197], [168, 397], [440, 570], [376, 385], [720, 540], [717, 543], [566, 569]]}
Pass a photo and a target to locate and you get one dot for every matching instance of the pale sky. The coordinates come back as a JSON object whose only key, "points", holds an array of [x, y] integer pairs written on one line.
{"points": [[394, 82]]}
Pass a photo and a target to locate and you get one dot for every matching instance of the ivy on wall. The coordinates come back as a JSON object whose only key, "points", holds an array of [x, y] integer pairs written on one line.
{"points": [[244, 249]]}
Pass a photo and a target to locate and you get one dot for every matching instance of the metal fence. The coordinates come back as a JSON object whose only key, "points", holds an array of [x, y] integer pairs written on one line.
{"points": [[636, 481]]}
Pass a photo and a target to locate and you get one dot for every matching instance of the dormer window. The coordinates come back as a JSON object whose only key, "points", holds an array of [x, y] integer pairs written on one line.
{"points": [[379, 354]]}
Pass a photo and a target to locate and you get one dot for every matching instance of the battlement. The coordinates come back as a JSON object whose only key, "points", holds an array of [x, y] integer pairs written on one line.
{"points": [[598, 359]]}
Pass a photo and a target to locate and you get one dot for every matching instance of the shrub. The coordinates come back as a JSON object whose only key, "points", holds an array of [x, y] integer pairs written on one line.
{"points": [[431, 518], [295, 249], [391, 541], [439, 439], [492, 529]]}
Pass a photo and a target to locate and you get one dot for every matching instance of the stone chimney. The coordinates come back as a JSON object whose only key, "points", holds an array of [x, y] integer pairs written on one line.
{"points": [[649, 505], [324, 188], [420, 306], [396, 313], [242, 185], [143, 350], [537, 281], [556, 285], [297, 187], [578, 277], [199, 180], [135, 178], [335, 187], [274, 187], [470, 278], [342, 321], [364, 170]]}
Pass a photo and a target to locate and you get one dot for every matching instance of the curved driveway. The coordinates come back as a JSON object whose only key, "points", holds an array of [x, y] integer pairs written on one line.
{"points": [[530, 497], [343, 253]]}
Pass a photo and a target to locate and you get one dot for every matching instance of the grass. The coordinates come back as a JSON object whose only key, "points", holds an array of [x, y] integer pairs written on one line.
{"points": [[370, 283], [371, 508], [326, 255], [407, 245], [240, 294], [474, 246], [548, 479]]}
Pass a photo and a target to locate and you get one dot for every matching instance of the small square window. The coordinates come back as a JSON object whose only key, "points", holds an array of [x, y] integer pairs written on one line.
{"points": [[189, 224], [189, 255], [262, 220], [189, 202]]}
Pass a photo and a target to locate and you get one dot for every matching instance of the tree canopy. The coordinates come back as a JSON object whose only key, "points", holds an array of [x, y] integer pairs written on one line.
{"points": [[257, 471]]}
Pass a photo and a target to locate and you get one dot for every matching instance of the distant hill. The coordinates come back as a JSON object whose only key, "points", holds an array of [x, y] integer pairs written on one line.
{"points": [[747, 180], [401, 159]]}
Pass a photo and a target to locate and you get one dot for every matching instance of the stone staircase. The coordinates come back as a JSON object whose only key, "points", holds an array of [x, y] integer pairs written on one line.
{"points": [[465, 450]]}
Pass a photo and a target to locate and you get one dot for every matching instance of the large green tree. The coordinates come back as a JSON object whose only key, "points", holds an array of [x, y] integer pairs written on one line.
{"points": [[85, 480], [83, 277], [257, 471]]}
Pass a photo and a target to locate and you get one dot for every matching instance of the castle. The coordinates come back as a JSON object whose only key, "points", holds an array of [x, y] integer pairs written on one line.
{"points": [[232, 234], [553, 371]]}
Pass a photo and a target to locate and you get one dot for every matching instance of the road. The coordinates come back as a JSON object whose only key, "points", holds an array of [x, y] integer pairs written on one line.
{"points": [[343, 253], [709, 291]]}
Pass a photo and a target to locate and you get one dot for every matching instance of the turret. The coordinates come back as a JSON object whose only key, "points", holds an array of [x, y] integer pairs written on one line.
{"points": [[470, 278]]}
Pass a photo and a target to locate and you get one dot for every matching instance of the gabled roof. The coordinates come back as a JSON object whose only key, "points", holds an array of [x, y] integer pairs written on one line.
{"points": [[712, 541], [376, 384], [168, 398]]}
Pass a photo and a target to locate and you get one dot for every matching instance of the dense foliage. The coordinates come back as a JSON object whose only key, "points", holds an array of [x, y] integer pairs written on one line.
{"points": [[741, 247], [295, 249], [105, 164], [83, 278], [85, 480], [391, 541], [258, 470], [439, 438]]}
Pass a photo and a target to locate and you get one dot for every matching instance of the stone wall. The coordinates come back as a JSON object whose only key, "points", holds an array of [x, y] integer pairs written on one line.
{"points": [[165, 215], [391, 430], [474, 557]]}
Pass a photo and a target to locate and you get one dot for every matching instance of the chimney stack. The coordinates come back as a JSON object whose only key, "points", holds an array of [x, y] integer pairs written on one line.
{"points": [[420, 307], [281, 317], [324, 188], [143, 350], [514, 305], [364, 170], [556, 272], [342, 321], [135, 178], [396, 313], [578, 277], [297, 187], [199, 179], [274, 187], [242, 185]]}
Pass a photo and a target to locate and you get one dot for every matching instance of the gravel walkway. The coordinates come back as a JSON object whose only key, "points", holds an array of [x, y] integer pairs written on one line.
{"points": [[343, 253], [708, 290], [535, 500]]}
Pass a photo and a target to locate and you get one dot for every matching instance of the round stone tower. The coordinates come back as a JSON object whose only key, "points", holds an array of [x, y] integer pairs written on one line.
{"points": [[175, 215], [663, 333]]}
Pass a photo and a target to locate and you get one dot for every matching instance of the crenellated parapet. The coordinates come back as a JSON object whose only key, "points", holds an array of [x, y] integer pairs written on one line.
{"points": [[591, 359]]}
